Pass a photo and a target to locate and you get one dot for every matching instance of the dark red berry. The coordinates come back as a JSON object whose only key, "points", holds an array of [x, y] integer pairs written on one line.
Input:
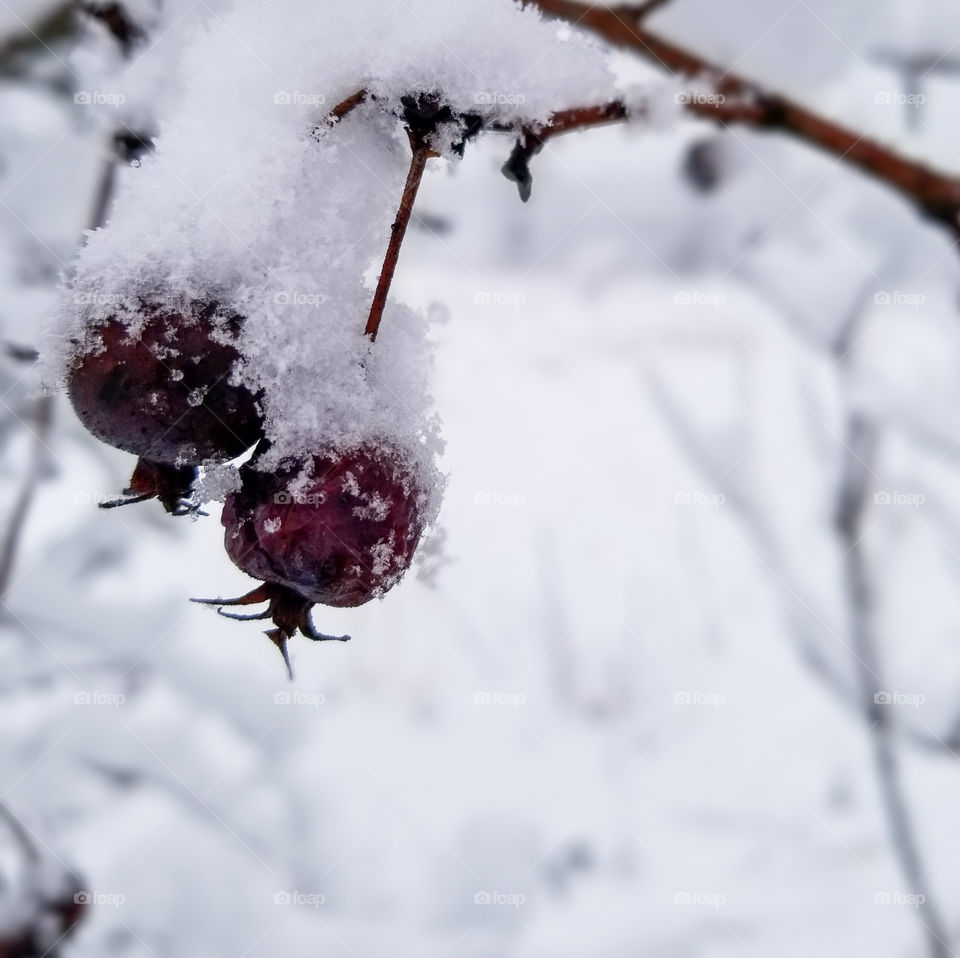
{"points": [[338, 530], [162, 389]]}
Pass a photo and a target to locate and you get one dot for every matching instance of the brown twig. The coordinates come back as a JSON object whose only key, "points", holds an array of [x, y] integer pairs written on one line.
{"points": [[350, 103], [532, 141], [339, 112], [418, 163], [104, 195], [740, 100]]}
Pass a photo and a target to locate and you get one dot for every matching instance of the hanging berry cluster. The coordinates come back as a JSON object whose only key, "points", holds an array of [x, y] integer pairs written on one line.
{"points": [[164, 377]]}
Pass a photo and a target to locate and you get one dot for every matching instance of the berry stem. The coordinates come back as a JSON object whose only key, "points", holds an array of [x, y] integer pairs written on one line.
{"points": [[418, 163]]}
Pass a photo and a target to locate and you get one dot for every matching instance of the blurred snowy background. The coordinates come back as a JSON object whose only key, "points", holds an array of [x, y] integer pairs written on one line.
{"points": [[702, 399]]}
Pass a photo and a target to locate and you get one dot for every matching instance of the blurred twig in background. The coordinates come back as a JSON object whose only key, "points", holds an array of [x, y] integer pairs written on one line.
{"points": [[15, 51], [127, 146], [117, 20], [859, 445], [40, 430], [934, 193]]}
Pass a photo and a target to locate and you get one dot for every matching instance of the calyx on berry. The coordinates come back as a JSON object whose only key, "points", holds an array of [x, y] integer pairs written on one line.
{"points": [[172, 486], [335, 528]]}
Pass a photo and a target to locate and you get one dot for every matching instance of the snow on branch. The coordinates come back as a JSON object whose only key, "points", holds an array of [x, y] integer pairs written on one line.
{"points": [[741, 101]]}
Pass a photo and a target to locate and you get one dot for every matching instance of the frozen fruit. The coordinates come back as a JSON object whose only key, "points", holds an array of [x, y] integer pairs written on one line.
{"points": [[162, 387], [337, 529]]}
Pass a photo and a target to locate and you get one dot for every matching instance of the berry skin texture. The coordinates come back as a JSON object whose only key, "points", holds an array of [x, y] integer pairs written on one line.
{"points": [[338, 530], [163, 391], [341, 537]]}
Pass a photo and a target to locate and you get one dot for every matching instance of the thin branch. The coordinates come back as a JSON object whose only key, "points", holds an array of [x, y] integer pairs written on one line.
{"points": [[740, 100], [852, 499], [43, 415], [43, 419], [350, 103], [418, 164], [859, 448], [532, 141], [804, 625], [340, 111], [104, 196], [860, 442]]}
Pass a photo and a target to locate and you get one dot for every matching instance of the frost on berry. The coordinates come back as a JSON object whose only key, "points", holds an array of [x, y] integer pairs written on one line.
{"points": [[338, 529], [162, 386]]}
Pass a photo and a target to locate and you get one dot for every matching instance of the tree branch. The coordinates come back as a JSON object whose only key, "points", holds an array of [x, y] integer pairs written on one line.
{"points": [[740, 100], [532, 141], [349, 104]]}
